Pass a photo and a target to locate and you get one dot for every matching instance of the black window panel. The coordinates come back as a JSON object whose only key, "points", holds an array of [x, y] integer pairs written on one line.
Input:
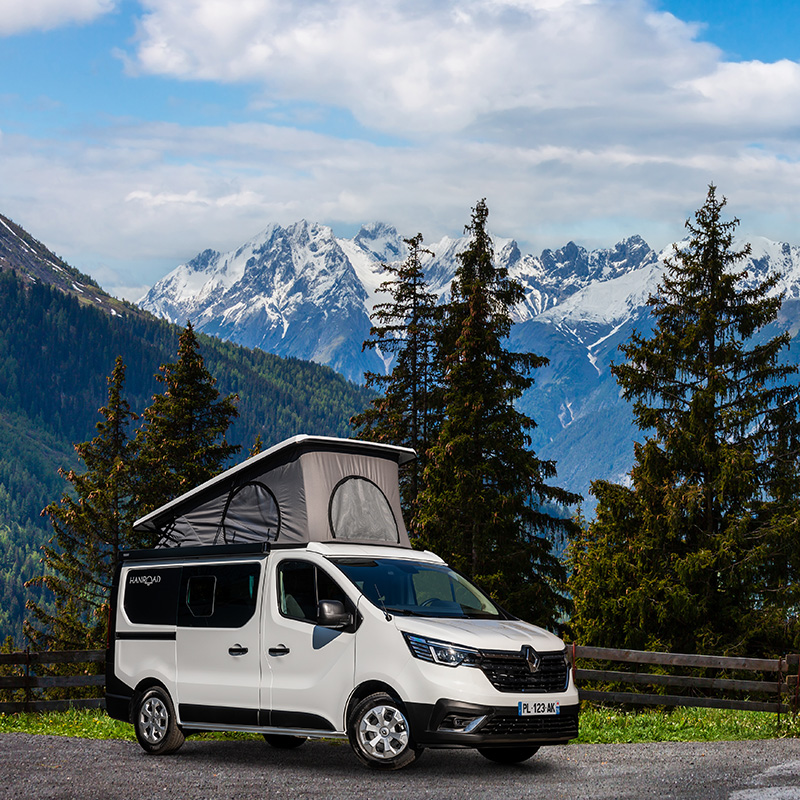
{"points": [[151, 595], [235, 594]]}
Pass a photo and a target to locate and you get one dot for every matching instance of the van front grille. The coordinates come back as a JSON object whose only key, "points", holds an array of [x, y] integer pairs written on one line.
{"points": [[510, 672], [557, 726]]}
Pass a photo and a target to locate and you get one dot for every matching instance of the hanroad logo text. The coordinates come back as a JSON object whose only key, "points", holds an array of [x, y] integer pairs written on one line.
{"points": [[147, 580]]}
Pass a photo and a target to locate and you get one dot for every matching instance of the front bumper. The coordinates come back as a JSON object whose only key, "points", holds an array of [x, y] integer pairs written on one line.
{"points": [[432, 725]]}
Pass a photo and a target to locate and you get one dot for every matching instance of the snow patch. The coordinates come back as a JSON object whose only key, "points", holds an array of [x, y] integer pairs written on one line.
{"points": [[566, 417]]}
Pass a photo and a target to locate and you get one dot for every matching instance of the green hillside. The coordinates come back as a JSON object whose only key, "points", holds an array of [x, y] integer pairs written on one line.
{"points": [[56, 351]]}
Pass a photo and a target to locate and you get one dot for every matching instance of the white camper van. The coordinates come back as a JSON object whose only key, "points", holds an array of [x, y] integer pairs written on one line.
{"points": [[285, 599]]}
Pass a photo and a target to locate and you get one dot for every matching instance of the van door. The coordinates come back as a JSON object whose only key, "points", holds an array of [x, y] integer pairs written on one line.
{"points": [[218, 653], [311, 668]]}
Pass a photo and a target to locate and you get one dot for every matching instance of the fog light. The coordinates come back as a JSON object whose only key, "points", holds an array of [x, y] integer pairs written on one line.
{"points": [[460, 723]]}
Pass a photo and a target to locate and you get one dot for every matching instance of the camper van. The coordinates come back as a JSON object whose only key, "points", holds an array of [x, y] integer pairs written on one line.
{"points": [[284, 599]]}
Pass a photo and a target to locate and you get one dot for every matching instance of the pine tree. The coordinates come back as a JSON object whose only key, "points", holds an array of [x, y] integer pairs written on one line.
{"points": [[92, 523], [484, 503], [182, 441], [681, 553], [258, 446], [404, 326]]}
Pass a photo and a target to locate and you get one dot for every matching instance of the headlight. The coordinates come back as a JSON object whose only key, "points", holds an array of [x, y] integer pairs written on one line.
{"points": [[451, 655]]}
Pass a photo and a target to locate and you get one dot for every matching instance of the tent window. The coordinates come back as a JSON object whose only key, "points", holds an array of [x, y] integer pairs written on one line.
{"points": [[252, 515], [359, 511]]}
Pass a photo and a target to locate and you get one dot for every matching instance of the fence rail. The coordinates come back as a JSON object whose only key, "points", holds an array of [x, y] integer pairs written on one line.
{"points": [[781, 685], [779, 680], [27, 681]]}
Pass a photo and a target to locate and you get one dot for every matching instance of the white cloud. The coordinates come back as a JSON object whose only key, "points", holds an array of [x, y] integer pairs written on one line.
{"points": [[155, 200], [145, 197], [586, 74], [739, 93], [577, 119], [416, 67], [18, 16]]}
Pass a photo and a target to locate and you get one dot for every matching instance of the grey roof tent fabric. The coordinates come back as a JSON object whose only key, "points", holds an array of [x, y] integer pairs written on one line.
{"points": [[305, 489]]}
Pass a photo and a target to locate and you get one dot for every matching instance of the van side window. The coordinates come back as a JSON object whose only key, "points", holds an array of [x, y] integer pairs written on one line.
{"points": [[301, 586], [218, 595], [151, 595], [200, 595]]}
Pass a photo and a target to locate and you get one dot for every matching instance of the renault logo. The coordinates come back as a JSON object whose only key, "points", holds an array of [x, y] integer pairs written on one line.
{"points": [[532, 657]]}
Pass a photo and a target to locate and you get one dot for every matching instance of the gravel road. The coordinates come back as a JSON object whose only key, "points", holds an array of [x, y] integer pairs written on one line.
{"points": [[41, 767]]}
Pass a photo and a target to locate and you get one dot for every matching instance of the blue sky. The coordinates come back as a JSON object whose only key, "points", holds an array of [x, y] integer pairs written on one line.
{"points": [[135, 134], [745, 29]]}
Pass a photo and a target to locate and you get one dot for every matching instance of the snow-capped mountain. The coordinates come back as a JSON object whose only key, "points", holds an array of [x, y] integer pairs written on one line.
{"points": [[301, 291], [295, 291]]}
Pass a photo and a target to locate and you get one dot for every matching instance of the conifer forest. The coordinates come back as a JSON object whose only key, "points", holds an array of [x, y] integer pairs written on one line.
{"points": [[695, 551]]}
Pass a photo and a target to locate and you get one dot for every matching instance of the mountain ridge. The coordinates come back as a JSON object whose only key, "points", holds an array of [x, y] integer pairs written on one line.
{"points": [[579, 305]]}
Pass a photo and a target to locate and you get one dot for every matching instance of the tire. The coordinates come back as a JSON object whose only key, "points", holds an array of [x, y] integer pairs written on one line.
{"points": [[379, 733], [283, 741], [155, 724], [509, 755]]}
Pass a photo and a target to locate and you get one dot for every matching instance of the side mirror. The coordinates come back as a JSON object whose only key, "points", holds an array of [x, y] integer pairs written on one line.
{"points": [[332, 614]]}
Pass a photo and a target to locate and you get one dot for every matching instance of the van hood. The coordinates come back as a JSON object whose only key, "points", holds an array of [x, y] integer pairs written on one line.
{"points": [[482, 634]]}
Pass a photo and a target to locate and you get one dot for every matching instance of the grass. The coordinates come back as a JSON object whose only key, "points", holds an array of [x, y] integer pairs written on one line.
{"points": [[85, 723], [607, 726], [597, 725]]}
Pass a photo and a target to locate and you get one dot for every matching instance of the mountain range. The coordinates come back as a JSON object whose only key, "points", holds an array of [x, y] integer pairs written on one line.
{"points": [[302, 291]]}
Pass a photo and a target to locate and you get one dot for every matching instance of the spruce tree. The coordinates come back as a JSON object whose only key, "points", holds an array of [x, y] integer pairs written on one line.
{"points": [[92, 524], [681, 552], [182, 441], [404, 326], [485, 502]]}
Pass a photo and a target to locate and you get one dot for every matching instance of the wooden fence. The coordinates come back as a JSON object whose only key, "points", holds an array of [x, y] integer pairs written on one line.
{"points": [[774, 681], [31, 685]]}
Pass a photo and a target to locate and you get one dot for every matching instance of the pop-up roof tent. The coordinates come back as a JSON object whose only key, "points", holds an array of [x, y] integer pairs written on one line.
{"points": [[305, 489]]}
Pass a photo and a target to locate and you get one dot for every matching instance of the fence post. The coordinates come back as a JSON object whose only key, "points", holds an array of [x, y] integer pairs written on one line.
{"points": [[780, 688], [573, 662], [28, 692]]}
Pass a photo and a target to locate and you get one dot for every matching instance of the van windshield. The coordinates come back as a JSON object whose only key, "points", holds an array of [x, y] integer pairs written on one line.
{"points": [[417, 588]]}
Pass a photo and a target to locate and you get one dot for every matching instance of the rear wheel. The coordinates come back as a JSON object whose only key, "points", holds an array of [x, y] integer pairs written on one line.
{"points": [[509, 755], [379, 733], [283, 741], [155, 724]]}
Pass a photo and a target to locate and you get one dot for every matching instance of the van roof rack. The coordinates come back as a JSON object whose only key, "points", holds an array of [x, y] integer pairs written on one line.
{"points": [[201, 551]]}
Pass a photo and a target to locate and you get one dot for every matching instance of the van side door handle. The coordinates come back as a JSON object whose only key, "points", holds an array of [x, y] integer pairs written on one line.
{"points": [[237, 650], [280, 650]]}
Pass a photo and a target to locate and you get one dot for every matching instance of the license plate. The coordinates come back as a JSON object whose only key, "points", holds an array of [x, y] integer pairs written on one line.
{"points": [[528, 709]]}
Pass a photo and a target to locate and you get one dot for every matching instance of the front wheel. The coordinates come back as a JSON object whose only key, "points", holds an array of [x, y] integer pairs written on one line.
{"points": [[155, 724], [379, 733], [509, 755]]}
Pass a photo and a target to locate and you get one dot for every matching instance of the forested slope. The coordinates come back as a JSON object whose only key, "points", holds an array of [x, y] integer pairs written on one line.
{"points": [[55, 355]]}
